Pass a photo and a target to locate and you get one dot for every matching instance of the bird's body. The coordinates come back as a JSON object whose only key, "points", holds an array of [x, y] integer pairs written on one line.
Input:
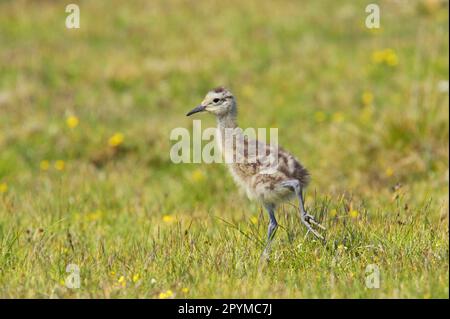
{"points": [[266, 173], [251, 174]]}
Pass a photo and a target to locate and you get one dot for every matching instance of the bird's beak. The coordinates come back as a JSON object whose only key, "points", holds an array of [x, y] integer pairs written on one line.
{"points": [[197, 109]]}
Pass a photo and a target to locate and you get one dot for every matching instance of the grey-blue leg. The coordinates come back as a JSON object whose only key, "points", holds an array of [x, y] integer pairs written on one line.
{"points": [[273, 225], [306, 219]]}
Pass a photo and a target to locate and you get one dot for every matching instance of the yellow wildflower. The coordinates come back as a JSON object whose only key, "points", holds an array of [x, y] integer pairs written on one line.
{"points": [[3, 188], [59, 165], [338, 117], [94, 215], [389, 172], [254, 220], [185, 290], [135, 277], [166, 294], [378, 57], [116, 140], [353, 213], [112, 273], [72, 121], [391, 58], [333, 212], [386, 56], [122, 281], [168, 218], [367, 98], [44, 165], [162, 295], [197, 176]]}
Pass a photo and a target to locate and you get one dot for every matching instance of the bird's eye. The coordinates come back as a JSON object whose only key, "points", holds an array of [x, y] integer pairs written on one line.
{"points": [[216, 100]]}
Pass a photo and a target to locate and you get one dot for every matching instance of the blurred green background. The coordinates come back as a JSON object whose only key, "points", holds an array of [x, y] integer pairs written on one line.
{"points": [[85, 120]]}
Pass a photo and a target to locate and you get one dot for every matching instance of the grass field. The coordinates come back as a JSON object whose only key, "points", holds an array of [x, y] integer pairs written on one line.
{"points": [[85, 173]]}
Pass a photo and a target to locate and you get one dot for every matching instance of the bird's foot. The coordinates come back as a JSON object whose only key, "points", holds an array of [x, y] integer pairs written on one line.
{"points": [[309, 221]]}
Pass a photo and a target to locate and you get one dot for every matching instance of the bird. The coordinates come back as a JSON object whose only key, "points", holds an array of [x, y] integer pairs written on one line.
{"points": [[264, 180]]}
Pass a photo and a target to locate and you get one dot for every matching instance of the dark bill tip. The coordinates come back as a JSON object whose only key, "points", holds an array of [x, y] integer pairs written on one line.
{"points": [[199, 108]]}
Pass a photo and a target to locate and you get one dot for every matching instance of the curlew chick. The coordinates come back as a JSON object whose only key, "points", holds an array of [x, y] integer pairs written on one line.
{"points": [[267, 173]]}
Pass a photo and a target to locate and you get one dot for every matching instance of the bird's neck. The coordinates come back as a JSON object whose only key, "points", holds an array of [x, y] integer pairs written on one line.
{"points": [[228, 129], [226, 121]]}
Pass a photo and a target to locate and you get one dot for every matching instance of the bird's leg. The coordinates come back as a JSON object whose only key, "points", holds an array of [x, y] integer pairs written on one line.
{"points": [[306, 218], [273, 225]]}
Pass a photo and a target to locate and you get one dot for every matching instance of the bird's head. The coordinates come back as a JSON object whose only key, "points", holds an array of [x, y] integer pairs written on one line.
{"points": [[218, 101]]}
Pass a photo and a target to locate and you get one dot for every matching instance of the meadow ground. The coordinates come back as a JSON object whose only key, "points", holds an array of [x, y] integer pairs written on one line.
{"points": [[85, 173]]}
